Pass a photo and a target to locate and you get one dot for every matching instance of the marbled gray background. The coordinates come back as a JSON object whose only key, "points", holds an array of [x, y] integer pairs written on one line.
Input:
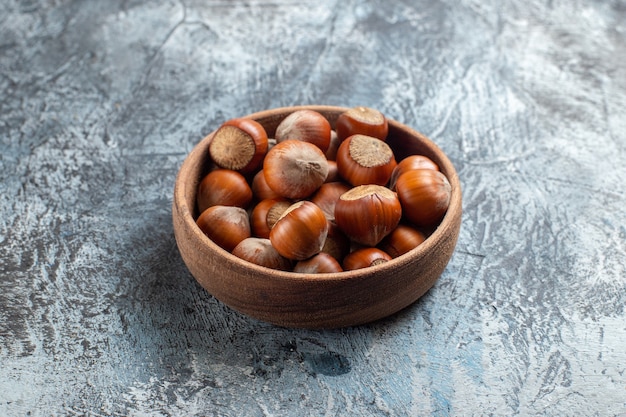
{"points": [[100, 101]]}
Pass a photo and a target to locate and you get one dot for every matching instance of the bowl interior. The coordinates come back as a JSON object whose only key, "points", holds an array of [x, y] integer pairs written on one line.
{"points": [[315, 300]]}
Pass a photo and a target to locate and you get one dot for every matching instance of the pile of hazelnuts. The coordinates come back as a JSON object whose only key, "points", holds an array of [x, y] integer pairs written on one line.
{"points": [[313, 199]]}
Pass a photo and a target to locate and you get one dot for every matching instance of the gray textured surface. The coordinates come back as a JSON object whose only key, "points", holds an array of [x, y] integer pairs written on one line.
{"points": [[101, 101]]}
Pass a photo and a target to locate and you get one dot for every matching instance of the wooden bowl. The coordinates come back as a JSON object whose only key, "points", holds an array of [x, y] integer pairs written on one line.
{"points": [[308, 300]]}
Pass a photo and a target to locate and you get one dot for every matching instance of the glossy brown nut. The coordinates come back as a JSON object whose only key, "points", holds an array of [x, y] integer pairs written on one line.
{"points": [[225, 225], [409, 163], [333, 173], [261, 252], [300, 232], [401, 240], [331, 152], [305, 125], [295, 169], [322, 263], [265, 215], [260, 189], [337, 243], [424, 195], [327, 195], [364, 258], [364, 121], [239, 144], [368, 213], [223, 187], [365, 160]]}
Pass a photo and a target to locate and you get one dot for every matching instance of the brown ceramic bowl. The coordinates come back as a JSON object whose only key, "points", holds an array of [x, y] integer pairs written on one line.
{"points": [[308, 300]]}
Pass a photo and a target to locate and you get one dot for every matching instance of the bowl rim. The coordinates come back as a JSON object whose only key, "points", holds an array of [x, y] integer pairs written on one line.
{"points": [[253, 270]]}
